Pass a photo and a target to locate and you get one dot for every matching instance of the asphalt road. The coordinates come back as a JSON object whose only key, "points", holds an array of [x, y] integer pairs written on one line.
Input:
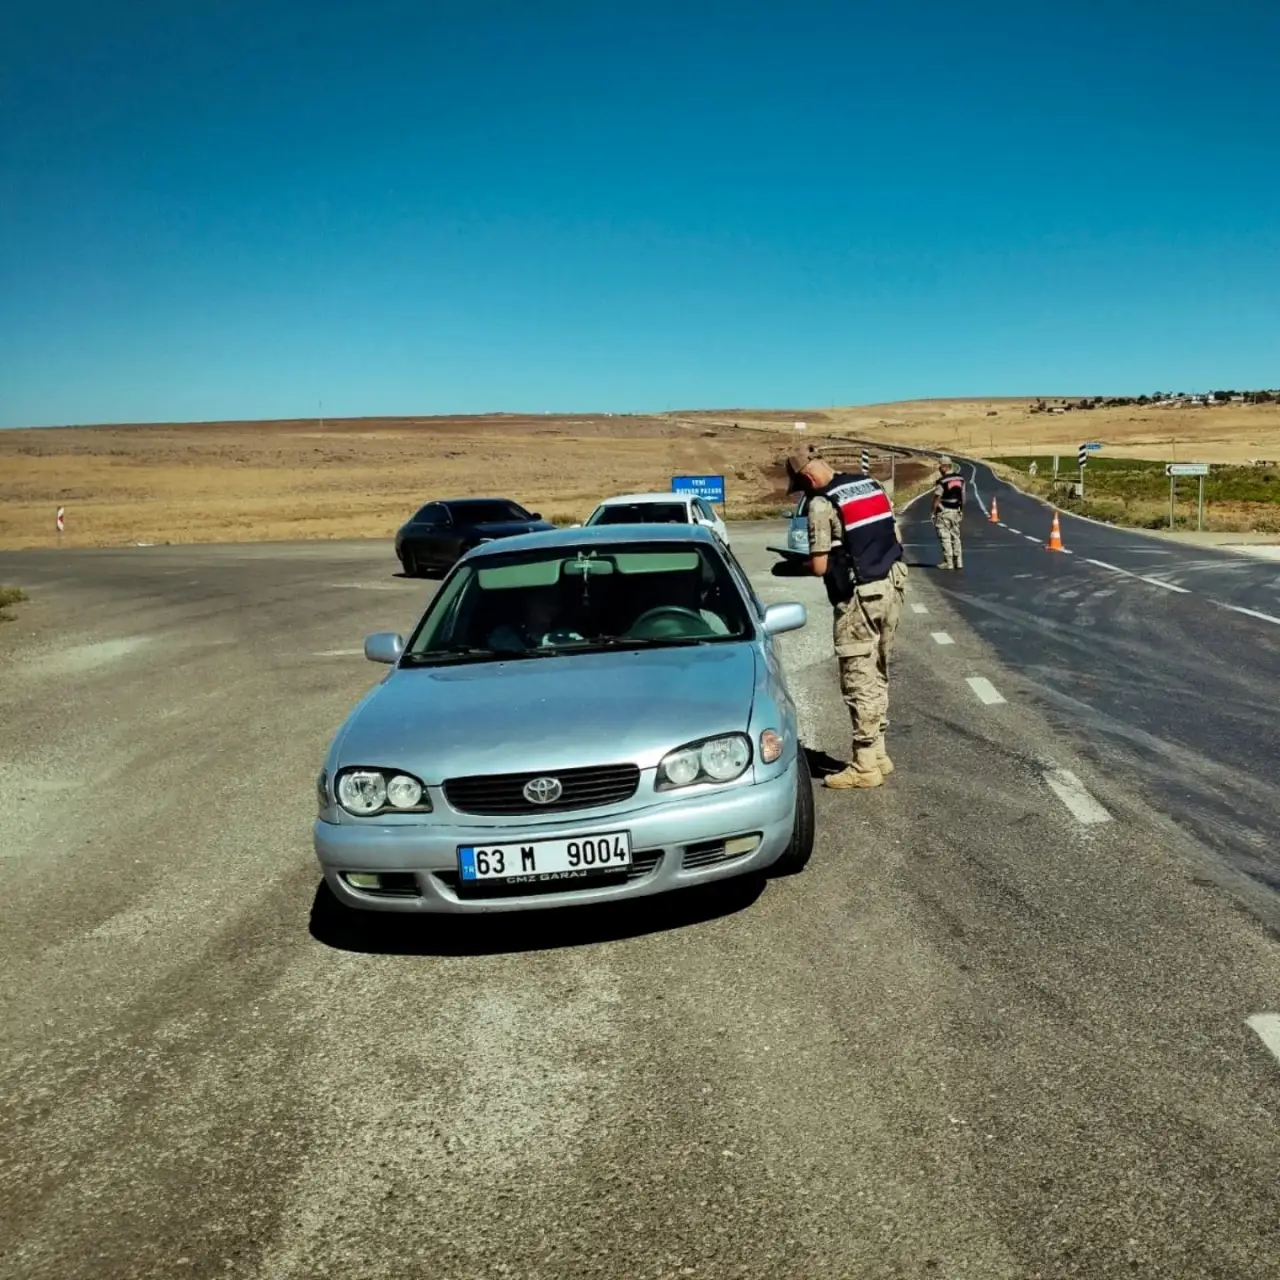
{"points": [[1159, 662], [998, 1027]]}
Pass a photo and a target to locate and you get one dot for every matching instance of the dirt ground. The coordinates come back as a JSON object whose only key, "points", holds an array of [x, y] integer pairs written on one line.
{"points": [[266, 481]]}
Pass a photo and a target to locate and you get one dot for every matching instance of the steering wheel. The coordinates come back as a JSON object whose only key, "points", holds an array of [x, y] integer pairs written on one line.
{"points": [[669, 621]]}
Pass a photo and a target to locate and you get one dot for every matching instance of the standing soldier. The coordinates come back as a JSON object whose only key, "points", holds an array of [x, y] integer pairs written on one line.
{"points": [[855, 549], [948, 511]]}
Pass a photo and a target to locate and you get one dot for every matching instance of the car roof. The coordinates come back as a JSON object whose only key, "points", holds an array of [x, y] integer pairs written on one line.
{"points": [[468, 502], [637, 498], [597, 535]]}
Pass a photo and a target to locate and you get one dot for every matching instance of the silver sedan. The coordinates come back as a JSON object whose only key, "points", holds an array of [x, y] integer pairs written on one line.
{"points": [[579, 717]]}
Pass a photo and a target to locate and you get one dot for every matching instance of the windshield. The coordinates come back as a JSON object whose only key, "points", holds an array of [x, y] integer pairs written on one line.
{"points": [[641, 513], [481, 512], [553, 602]]}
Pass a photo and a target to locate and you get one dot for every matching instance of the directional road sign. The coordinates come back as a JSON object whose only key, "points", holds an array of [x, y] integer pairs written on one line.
{"points": [[1186, 469], [708, 488], [1093, 446]]}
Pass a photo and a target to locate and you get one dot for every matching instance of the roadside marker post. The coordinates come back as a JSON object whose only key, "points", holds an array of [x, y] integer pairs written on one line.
{"points": [[61, 520], [1082, 456], [866, 463]]}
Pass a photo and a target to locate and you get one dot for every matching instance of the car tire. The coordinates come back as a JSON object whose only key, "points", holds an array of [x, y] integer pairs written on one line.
{"points": [[796, 856], [410, 563]]}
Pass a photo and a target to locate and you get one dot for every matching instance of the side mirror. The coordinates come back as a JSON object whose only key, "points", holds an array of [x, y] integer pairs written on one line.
{"points": [[384, 646], [535, 515], [784, 617]]}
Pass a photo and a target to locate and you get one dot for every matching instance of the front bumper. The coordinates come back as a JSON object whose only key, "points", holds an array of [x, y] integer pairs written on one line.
{"points": [[661, 839]]}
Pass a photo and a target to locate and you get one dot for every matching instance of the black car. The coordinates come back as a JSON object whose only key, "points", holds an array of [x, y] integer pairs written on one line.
{"points": [[442, 532]]}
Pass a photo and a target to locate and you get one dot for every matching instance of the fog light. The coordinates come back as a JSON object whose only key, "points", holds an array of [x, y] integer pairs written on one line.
{"points": [[770, 746], [363, 880], [739, 845]]}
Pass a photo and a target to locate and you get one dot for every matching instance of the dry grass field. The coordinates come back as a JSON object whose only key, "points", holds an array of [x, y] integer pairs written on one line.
{"points": [[230, 482], [1236, 433], [252, 481]]}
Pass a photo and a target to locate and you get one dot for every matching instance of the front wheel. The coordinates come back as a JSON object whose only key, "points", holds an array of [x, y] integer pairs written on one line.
{"points": [[410, 563], [796, 855]]}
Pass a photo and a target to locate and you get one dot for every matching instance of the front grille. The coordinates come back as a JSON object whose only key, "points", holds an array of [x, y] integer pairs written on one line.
{"points": [[643, 864], [503, 793]]}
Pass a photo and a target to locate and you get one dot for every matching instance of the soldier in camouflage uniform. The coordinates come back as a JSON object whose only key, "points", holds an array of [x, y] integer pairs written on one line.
{"points": [[864, 624], [948, 512]]}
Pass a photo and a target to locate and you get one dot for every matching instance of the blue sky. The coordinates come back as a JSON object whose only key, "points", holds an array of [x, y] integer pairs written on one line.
{"points": [[243, 208]]}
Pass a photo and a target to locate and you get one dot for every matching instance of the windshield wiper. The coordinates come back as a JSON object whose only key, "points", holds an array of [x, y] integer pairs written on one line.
{"points": [[646, 642], [468, 652]]}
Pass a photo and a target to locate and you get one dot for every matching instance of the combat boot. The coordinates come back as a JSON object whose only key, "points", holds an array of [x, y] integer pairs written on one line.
{"points": [[863, 772], [883, 762]]}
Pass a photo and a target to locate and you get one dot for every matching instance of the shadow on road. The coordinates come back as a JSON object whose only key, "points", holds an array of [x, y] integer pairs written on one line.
{"points": [[500, 933], [821, 764], [790, 569]]}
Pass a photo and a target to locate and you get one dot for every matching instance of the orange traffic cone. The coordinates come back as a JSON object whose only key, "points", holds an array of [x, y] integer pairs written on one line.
{"points": [[995, 510], [1055, 536]]}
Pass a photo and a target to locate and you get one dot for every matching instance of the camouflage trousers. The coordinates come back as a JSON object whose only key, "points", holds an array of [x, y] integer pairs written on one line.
{"points": [[947, 523], [864, 629]]}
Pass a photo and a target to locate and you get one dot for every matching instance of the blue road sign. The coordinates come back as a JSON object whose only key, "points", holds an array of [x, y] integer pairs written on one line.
{"points": [[708, 488], [1093, 445]]}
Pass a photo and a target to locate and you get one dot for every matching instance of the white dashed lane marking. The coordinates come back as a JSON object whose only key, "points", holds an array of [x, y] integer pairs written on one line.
{"points": [[1252, 613], [1030, 537], [986, 691], [918, 608], [941, 637], [1072, 792], [1128, 573], [1017, 531], [1267, 1027]]}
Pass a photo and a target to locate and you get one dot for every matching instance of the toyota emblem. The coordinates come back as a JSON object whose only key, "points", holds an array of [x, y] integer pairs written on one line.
{"points": [[543, 790]]}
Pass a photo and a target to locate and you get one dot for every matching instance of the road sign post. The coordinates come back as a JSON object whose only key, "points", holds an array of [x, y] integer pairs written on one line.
{"points": [[1175, 469]]}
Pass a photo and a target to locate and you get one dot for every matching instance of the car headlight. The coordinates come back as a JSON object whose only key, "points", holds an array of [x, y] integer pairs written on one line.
{"points": [[365, 792], [718, 759]]}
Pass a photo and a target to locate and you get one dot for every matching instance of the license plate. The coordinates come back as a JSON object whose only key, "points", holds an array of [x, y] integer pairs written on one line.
{"points": [[539, 860]]}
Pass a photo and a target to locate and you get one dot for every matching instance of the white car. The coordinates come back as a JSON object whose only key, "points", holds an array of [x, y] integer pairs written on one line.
{"points": [[796, 552], [659, 508]]}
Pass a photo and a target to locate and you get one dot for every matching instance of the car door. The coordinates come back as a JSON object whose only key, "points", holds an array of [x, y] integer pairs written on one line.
{"points": [[438, 532]]}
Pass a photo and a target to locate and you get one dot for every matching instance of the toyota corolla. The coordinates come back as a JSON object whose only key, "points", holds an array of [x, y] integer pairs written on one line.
{"points": [[578, 717]]}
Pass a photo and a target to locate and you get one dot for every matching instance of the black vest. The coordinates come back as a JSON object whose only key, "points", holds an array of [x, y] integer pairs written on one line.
{"points": [[870, 546], [952, 492]]}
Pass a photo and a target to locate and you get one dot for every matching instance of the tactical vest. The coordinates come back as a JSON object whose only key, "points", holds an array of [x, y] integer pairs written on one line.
{"points": [[870, 546], [952, 492]]}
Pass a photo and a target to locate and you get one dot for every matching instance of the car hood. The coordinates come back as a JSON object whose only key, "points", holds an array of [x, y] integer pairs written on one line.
{"points": [[507, 528], [550, 713]]}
